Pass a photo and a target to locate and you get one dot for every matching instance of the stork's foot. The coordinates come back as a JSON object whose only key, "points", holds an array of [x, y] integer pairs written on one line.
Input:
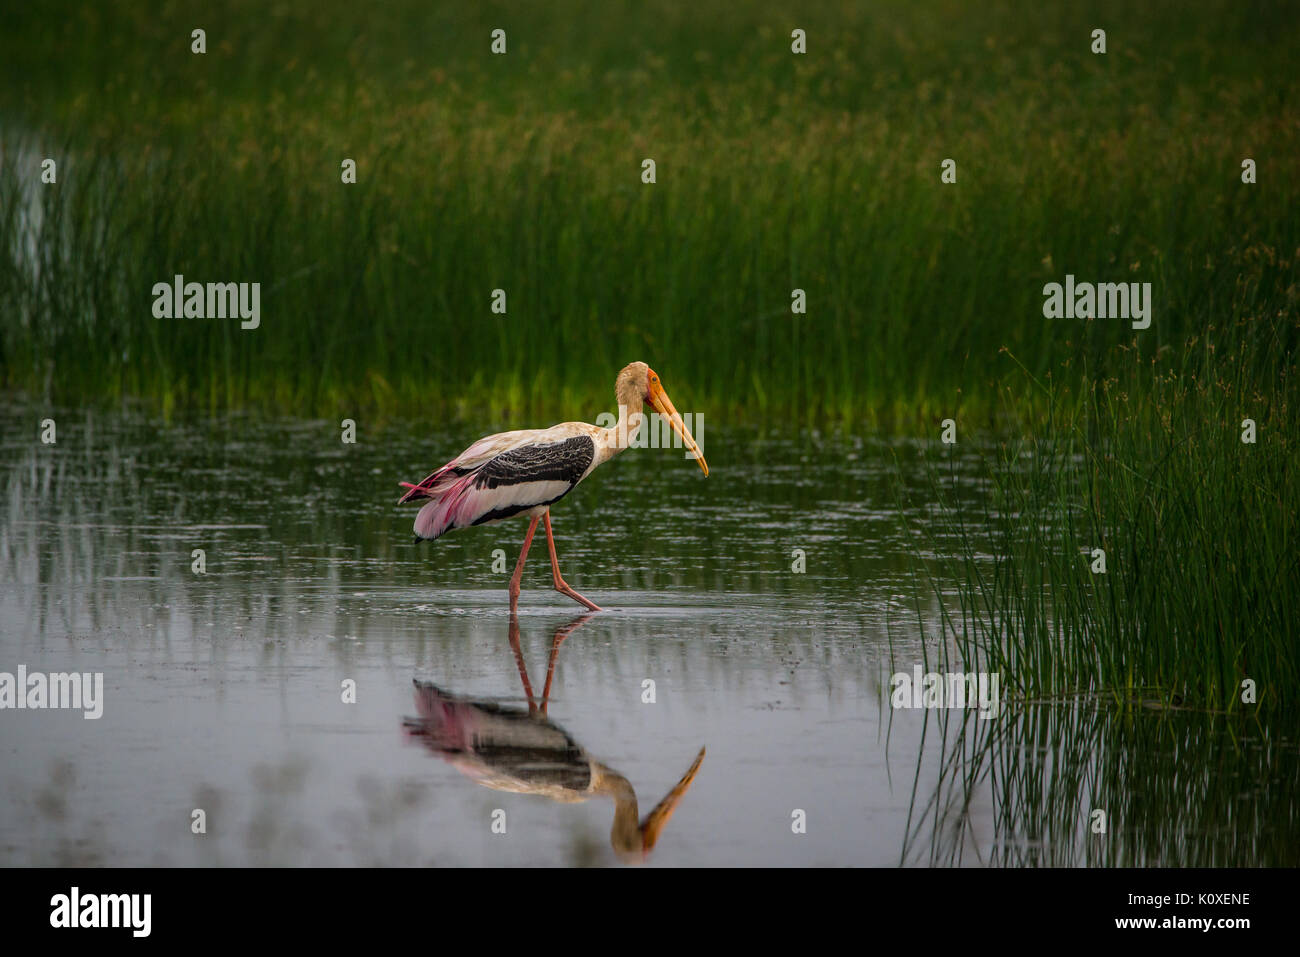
{"points": [[563, 588], [560, 584]]}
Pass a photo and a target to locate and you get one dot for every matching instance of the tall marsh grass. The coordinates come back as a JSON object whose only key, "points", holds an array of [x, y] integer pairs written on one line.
{"points": [[1178, 789], [522, 172], [1197, 603]]}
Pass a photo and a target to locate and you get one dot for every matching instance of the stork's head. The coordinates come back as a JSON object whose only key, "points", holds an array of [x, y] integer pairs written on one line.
{"points": [[638, 384]]}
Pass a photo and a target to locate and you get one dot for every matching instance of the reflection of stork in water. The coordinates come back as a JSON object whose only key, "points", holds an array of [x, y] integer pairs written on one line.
{"points": [[509, 749]]}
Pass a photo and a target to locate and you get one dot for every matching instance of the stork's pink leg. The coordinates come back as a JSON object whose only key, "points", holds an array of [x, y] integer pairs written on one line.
{"points": [[560, 584], [519, 566]]}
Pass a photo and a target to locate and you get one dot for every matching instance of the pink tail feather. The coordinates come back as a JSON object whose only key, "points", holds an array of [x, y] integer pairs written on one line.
{"points": [[429, 487], [450, 509]]}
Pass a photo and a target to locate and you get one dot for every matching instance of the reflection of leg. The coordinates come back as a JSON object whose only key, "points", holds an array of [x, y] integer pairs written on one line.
{"points": [[519, 662], [519, 566], [560, 584], [560, 634]]}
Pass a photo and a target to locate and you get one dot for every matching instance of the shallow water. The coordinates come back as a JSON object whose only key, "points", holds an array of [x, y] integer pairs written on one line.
{"points": [[224, 690]]}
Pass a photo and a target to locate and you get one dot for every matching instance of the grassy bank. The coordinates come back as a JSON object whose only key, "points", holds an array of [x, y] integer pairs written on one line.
{"points": [[522, 172]]}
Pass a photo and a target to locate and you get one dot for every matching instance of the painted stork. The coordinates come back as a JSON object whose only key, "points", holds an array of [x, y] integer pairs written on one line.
{"points": [[525, 752], [528, 470]]}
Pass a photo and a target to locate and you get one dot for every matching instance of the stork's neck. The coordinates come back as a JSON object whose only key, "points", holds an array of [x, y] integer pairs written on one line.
{"points": [[630, 415]]}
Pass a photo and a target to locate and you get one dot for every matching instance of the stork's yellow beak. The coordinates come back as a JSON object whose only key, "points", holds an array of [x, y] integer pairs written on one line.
{"points": [[664, 406]]}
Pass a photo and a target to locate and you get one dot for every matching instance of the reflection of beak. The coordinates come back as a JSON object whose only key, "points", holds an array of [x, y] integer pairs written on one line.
{"points": [[656, 819], [664, 406]]}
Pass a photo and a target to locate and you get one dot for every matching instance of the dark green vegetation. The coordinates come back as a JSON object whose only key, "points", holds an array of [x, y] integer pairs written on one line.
{"points": [[775, 171], [1172, 787], [522, 172], [1202, 562]]}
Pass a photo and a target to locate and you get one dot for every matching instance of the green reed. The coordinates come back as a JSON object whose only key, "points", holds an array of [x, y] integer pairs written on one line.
{"points": [[1177, 789], [1198, 530], [522, 172]]}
